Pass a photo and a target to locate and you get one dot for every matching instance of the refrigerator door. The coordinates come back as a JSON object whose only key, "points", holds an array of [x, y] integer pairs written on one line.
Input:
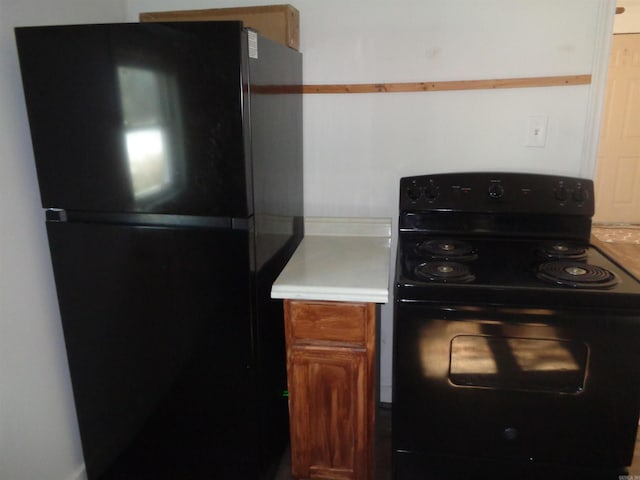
{"points": [[158, 330], [140, 118], [276, 138]]}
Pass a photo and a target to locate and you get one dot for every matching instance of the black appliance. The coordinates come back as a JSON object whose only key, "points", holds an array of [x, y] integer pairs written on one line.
{"points": [[515, 339], [169, 163]]}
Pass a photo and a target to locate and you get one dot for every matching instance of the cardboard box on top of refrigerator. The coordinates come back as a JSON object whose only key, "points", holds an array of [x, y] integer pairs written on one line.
{"points": [[280, 23]]}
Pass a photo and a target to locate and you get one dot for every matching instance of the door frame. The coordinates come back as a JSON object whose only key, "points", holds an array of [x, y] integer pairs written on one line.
{"points": [[598, 88]]}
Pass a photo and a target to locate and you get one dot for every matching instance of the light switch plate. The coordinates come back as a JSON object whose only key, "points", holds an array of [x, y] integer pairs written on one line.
{"points": [[536, 131]]}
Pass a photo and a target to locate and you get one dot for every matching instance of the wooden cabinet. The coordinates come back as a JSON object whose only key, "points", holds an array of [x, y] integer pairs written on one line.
{"points": [[331, 374]]}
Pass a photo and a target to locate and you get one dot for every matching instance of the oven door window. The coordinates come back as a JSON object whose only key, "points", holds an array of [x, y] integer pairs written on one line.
{"points": [[511, 363]]}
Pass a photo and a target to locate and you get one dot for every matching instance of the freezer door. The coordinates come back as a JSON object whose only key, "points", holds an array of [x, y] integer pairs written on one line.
{"points": [[143, 118], [276, 136], [157, 325]]}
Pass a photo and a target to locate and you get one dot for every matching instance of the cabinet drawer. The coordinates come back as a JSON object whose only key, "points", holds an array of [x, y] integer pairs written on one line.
{"points": [[328, 321]]}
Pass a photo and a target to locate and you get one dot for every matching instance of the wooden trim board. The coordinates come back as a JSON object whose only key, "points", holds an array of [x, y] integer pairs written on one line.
{"points": [[528, 82]]}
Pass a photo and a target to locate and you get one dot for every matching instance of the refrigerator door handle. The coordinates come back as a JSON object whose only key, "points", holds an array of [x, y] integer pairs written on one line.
{"points": [[55, 215], [148, 219]]}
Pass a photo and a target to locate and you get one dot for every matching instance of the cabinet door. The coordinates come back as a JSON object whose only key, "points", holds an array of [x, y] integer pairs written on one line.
{"points": [[328, 400]]}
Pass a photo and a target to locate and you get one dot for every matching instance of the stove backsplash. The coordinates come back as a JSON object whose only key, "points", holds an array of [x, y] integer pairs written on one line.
{"points": [[494, 203]]}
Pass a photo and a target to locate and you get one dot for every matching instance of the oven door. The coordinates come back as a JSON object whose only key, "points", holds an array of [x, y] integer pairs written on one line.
{"points": [[532, 385]]}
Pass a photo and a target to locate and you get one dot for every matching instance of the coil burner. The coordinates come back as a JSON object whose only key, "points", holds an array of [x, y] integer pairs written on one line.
{"points": [[576, 274], [446, 249], [562, 251], [444, 272]]}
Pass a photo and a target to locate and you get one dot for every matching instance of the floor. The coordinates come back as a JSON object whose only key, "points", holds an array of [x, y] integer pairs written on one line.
{"points": [[383, 461], [383, 458], [620, 242]]}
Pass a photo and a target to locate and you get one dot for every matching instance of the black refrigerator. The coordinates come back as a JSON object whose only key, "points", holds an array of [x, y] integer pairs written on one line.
{"points": [[169, 162]]}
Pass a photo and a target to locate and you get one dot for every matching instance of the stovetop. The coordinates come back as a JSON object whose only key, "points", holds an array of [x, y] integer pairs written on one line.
{"points": [[498, 270], [517, 238]]}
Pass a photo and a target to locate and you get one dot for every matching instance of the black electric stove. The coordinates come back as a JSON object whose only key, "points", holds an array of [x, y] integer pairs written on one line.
{"points": [[516, 341]]}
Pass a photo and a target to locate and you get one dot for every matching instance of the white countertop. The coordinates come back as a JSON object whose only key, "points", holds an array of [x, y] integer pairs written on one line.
{"points": [[339, 260]]}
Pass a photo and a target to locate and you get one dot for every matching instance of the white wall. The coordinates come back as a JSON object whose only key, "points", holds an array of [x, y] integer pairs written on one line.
{"points": [[358, 146], [38, 430]]}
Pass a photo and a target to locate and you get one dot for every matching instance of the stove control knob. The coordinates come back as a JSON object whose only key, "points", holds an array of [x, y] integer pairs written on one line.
{"points": [[413, 192], [431, 191], [496, 190], [561, 192], [579, 194]]}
